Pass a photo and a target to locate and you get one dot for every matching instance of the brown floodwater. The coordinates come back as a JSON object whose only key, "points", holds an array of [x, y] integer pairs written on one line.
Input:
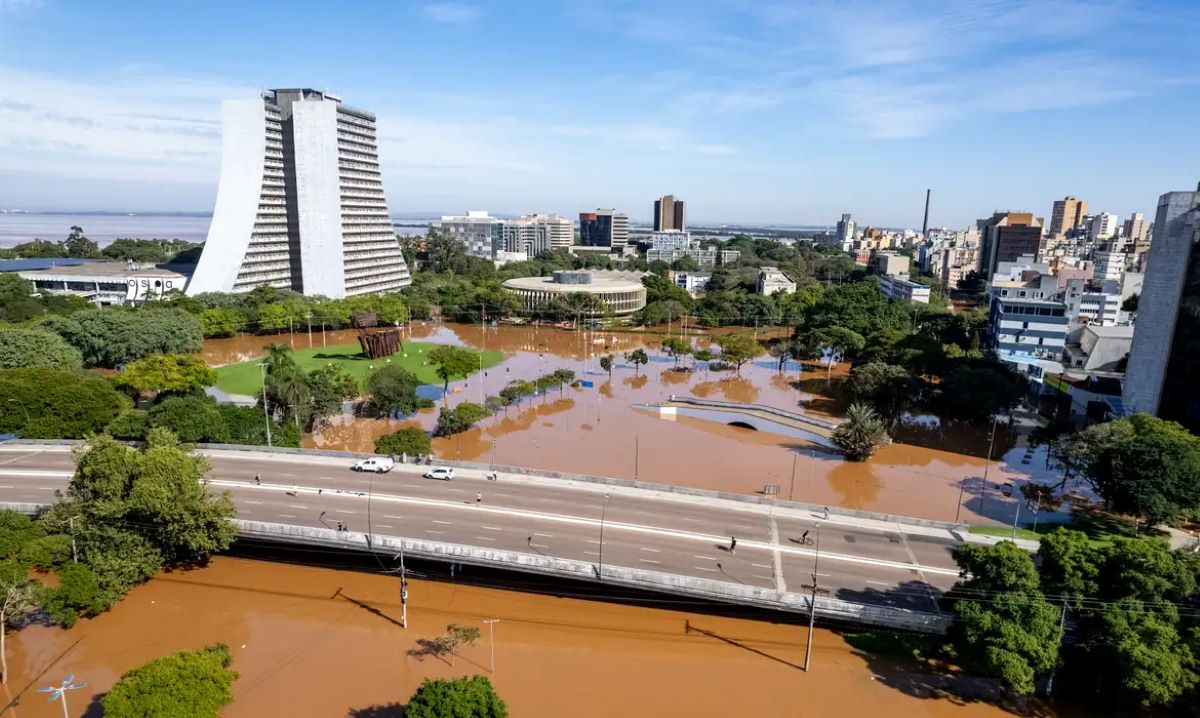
{"points": [[606, 430], [321, 642]]}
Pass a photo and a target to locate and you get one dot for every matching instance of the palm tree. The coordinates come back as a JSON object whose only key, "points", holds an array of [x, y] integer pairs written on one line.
{"points": [[861, 435]]}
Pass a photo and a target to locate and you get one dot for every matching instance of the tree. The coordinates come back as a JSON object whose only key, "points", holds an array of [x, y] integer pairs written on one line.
{"points": [[676, 347], [782, 351], [458, 419], [661, 289], [452, 361], [517, 390], [191, 684], [1137, 656], [458, 635], [112, 337], [1069, 566], [17, 594], [44, 403], [839, 342], [1012, 634], [78, 245], [274, 318], [738, 349], [329, 388], [861, 434], [410, 440], [637, 357], [456, 698], [606, 364], [21, 347], [222, 322], [1131, 303], [886, 387], [176, 373], [194, 419], [978, 392], [393, 390], [661, 312], [78, 593], [246, 425]]}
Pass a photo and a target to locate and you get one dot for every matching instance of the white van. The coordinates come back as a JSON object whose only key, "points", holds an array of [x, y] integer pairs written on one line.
{"points": [[378, 464]]}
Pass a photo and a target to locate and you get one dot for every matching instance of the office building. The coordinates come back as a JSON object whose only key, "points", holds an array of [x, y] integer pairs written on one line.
{"points": [[1110, 264], [903, 290], [845, 232], [772, 279], [476, 230], [1103, 226], [1163, 363], [1136, 229], [524, 235], [300, 204], [890, 264], [559, 230], [706, 258], [1006, 236], [669, 214], [1067, 213], [691, 282], [671, 239], [103, 283], [1092, 302], [603, 228]]}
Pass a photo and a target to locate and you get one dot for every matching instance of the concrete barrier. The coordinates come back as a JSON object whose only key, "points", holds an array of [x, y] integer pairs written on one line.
{"points": [[583, 478]]}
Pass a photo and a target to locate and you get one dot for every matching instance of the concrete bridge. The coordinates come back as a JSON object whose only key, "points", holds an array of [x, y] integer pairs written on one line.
{"points": [[870, 568], [753, 416]]}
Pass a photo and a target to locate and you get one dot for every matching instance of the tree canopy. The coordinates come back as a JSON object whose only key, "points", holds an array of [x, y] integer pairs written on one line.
{"points": [[175, 373], [471, 697], [188, 684], [113, 337], [45, 403], [24, 347], [393, 389]]}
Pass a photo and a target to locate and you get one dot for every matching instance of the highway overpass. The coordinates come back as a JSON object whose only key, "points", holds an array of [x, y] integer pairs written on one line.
{"points": [[873, 569]]}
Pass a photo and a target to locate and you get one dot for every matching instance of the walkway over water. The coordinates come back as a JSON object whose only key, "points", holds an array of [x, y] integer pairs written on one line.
{"points": [[755, 416], [873, 569]]}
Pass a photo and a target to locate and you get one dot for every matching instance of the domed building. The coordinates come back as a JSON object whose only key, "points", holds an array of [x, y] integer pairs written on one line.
{"points": [[623, 292]]}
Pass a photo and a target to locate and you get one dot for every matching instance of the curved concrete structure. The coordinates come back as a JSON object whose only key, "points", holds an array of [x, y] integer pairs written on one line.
{"points": [[623, 293], [301, 203]]}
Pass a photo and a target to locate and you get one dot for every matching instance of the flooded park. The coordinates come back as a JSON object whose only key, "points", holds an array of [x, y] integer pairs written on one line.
{"points": [[321, 642], [611, 428]]}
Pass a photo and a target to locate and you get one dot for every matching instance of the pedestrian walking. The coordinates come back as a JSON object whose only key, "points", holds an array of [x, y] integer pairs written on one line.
{"points": [[826, 513], [321, 516], [478, 497], [732, 544], [257, 480]]}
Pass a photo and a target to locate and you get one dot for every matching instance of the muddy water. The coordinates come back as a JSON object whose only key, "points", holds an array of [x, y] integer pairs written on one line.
{"points": [[319, 642], [604, 430]]}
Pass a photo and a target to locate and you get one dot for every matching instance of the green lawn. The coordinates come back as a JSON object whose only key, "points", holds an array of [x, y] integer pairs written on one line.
{"points": [[246, 377], [1100, 528]]}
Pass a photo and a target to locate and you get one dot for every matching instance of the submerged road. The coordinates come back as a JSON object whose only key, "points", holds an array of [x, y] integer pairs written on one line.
{"points": [[872, 562]]}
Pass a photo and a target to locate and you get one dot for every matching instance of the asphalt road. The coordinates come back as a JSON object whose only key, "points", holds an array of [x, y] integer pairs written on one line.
{"points": [[641, 528]]}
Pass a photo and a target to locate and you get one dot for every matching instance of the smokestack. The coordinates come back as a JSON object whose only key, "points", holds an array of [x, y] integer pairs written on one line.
{"points": [[925, 224]]}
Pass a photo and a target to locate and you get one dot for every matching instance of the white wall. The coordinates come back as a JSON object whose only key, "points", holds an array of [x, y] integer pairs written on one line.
{"points": [[243, 148], [318, 197]]}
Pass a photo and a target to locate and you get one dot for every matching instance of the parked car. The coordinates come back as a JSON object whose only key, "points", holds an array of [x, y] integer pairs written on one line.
{"points": [[445, 473], [378, 464]]}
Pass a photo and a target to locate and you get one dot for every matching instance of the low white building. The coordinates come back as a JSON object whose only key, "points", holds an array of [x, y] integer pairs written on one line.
{"points": [[772, 279], [691, 282], [110, 283], [669, 239], [903, 290], [705, 258]]}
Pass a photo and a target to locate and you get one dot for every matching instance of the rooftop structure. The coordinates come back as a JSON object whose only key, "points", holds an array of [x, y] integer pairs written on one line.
{"points": [[772, 280], [903, 290], [110, 283], [1006, 236]]}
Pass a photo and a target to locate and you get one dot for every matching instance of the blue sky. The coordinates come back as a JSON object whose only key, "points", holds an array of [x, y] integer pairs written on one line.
{"points": [[751, 111]]}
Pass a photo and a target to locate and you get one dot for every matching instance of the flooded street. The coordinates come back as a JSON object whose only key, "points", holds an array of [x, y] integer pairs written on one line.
{"points": [[322, 642], [606, 429]]}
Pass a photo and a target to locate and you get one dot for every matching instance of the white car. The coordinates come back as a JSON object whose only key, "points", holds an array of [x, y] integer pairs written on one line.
{"points": [[445, 473], [378, 464]]}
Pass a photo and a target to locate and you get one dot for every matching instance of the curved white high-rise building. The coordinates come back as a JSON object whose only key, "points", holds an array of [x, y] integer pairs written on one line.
{"points": [[300, 205]]}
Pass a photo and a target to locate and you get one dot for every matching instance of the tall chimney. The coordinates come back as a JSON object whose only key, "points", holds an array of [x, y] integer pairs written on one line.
{"points": [[925, 224]]}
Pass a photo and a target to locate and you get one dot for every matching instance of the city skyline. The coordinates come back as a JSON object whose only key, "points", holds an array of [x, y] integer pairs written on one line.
{"points": [[757, 114]]}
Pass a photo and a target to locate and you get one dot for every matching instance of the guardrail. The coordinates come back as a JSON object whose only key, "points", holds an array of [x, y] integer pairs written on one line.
{"points": [[565, 476]]}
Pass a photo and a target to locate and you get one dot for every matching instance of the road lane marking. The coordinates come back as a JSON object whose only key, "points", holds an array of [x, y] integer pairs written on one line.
{"points": [[385, 526], [655, 550], [539, 545], [41, 474], [776, 558], [485, 538], [296, 506], [344, 511], [593, 540], [491, 528], [880, 583], [647, 560], [706, 558], [705, 568], [389, 516], [256, 503], [447, 523], [765, 578], [7, 487], [592, 553], [535, 533], [435, 532], [748, 544], [287, 516]]}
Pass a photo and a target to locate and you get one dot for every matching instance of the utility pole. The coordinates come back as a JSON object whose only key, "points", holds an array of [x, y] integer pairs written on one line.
{"points": [[987, 464], [74, 550], [636, 458], [59, 692], [1062, 622], [1016, 519], [403, 587], [603, 511], [812, 604], [308, 316], [792, 488], [961, 488], [266, 415], [491, 622]]}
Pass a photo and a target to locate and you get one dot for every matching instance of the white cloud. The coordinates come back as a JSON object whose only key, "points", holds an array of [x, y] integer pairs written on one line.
{"points": [[723, 150], [17, 4], [451, 12]]}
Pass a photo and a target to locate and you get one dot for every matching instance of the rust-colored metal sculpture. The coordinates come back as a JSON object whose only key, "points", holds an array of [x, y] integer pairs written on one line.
{"points": [[376, 342]]}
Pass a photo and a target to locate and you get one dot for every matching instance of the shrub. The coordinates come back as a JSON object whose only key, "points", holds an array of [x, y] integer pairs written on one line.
{"points": [[409, 440]]}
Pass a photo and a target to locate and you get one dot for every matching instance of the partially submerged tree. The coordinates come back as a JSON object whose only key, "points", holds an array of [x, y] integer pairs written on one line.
{"points": [[196, 684], [861, 434]]}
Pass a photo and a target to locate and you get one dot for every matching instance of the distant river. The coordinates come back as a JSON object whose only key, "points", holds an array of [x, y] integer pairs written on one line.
{"points": [[102, 228]]}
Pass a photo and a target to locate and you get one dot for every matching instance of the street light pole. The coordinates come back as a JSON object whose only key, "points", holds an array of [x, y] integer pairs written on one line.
{"points": [[59, 692], [961, 488], [403, 587], [603, 511], [266, 415], [636, 458], [812, 604], [491, 622], [1016, 519], [987, 464], [792, 488]]}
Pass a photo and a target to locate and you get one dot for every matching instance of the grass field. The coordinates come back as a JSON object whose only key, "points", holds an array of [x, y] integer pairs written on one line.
{"points": [[1100, 528], [246, 377]]}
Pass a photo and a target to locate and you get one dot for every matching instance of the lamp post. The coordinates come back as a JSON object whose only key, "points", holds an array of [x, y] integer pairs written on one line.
{"points": [[987, 464], [603, 512], [636, 458], [266, 414], [59, 692], [491, 622], [812, 604], [792, 487]]}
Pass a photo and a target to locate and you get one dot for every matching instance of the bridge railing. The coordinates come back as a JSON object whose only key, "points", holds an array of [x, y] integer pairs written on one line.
{"points": [[773, 410], [708, 589]]}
